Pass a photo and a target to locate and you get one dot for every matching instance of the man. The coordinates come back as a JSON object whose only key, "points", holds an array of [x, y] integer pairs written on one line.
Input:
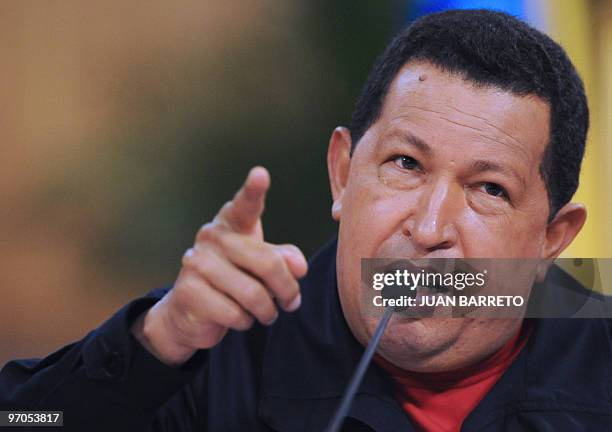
{"points": [[466, 142]]}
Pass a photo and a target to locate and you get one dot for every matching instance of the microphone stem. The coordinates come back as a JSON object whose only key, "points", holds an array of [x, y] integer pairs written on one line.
{"points": [[349, 394]]}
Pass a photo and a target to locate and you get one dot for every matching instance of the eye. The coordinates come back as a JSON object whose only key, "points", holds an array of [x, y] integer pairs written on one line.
{"points": [[406, 162], [495, 190]]}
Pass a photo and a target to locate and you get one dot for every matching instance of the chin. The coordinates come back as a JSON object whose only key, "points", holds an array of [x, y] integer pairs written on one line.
{"points": [[418, 344]]}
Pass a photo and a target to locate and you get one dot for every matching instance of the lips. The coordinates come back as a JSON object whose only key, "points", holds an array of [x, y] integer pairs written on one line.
{"points": [[411, 265], [432, 265]]}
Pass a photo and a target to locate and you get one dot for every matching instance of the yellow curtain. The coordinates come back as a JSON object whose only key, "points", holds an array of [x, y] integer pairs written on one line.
{"points": [[584, 29]]}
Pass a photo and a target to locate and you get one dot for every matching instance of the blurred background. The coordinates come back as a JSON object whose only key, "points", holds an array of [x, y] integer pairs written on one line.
{"points": [[125, 125]]}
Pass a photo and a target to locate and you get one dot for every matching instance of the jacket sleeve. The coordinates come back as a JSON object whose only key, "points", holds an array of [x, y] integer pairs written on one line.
{"points": [[106, 381]]}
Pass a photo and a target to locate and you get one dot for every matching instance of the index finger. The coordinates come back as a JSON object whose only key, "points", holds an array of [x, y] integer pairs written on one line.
{"points": [[244, 211]]}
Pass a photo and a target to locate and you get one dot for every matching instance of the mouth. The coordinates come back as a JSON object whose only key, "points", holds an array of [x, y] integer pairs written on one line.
{"points": [[421, 288]]}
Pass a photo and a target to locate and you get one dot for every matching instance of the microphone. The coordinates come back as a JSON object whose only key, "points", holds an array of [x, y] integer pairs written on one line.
{"points": [[351, 390]]}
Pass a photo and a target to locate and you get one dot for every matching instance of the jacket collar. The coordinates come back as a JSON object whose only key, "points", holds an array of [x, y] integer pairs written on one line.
{"points": [[311, 355]]}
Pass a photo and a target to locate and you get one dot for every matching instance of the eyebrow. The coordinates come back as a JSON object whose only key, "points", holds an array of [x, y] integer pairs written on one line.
{"points": [[486, 165], [408, 138]]}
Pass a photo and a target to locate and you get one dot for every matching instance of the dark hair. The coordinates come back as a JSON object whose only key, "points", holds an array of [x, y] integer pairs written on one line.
{"points": [[490, 48]]}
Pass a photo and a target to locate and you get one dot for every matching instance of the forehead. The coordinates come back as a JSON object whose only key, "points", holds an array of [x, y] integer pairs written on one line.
{"points": [[450, 110]]}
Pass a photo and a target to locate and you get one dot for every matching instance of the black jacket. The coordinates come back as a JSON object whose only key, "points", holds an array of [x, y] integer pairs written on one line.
{"points": [[290, 377]]}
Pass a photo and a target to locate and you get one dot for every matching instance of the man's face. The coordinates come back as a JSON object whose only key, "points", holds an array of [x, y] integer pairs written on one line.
{"points": [[449, 170]]}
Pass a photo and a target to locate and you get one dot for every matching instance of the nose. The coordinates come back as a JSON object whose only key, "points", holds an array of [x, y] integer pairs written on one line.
{"points": [[431, 226]]}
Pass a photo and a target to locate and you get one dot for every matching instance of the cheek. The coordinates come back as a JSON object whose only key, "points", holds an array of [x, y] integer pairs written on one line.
{"points": [[370, 218], [508, 235], [527, 239], [372, 214]]}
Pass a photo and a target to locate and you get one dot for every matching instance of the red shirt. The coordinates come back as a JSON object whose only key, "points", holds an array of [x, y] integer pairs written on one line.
{"points": [[440, 401]]}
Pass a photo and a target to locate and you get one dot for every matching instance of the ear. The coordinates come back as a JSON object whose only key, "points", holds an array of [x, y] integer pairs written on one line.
{"points": [[563, 229], [338, 163]]}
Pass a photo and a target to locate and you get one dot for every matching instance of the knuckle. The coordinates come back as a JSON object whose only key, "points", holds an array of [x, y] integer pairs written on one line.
{"points": [[238, 319], [291, 290], [208, 233], [270, 318], [227, 206], [183, 293], [188, 258], [200, 262], [288, 293], [204, 263], [233, 315], [291, 248], [267, 313], [246, 323]]}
